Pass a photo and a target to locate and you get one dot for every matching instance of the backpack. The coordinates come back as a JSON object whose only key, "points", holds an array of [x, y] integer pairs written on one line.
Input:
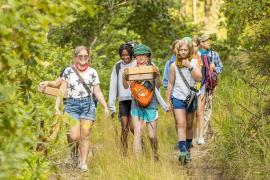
{"points": [[142, 92], [211, 78]]}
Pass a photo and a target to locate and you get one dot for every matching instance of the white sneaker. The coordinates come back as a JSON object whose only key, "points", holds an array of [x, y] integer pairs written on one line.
{"points": [[200, 141], [83, 167]]}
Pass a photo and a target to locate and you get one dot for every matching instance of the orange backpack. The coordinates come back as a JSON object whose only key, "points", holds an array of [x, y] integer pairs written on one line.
{"points": [[141, 93]]}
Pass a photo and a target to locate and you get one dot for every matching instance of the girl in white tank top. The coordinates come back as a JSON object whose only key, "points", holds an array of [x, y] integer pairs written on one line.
{"points": [[178, 92]]}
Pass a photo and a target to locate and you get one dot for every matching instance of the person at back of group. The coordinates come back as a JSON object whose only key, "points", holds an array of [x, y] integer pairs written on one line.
{"points": [[212, 60], [117, 91]]}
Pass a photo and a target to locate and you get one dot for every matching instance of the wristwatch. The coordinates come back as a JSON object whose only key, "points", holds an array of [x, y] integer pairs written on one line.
{"points": [[190, 69]]}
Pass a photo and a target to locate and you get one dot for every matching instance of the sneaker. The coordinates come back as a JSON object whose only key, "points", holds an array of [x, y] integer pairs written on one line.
{"points": [[188, 157], [200, 141], [83, 167], [183, 157]]}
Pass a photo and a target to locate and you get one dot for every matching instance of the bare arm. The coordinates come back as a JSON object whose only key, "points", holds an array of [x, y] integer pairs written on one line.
{"points": [[196, 73], [170, 84], [157, 79], [99, 96], [56, 83], [61, 94]]}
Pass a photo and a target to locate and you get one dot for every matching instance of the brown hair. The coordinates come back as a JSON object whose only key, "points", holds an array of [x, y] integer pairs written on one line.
{"points": [[77, 50], [174, 43]]}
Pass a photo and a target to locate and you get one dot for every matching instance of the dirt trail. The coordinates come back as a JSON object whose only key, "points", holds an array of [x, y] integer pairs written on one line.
{"points": [[203, 166]]}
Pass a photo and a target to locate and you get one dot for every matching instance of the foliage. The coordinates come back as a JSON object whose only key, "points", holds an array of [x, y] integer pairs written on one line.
{"points": [[241, 124], [146, 21], [248, 29], [23, 50]]}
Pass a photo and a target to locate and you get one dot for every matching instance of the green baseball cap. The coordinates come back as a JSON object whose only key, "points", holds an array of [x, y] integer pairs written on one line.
{"points": [[188, 39], [141, 49]]}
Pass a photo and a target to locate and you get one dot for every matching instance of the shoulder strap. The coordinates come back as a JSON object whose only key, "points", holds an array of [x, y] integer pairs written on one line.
{"points": [[183, 77], [81, 80], [205, 61], [117, 68], [185, 81]]}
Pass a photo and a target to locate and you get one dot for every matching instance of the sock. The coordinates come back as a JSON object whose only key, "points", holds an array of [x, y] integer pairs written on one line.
{"points": [[182, 146], [188, 143]]}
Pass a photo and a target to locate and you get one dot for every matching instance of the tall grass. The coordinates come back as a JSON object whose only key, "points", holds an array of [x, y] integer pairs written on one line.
{"points": [[242, 140], [107, 162]]}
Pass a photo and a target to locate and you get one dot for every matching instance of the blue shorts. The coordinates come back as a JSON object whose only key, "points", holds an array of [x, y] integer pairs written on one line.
{"points": [[81, 108], [178, 104], [145, 114]]}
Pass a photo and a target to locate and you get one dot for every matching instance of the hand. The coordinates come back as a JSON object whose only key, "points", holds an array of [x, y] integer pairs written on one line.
{"points": [[106, 112], [169, 104], [125, 74], [42, 86], [156, 69], [186, 63]]}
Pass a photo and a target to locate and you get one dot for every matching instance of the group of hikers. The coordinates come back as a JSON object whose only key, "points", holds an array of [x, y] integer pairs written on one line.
{"points": [[190, 77]]}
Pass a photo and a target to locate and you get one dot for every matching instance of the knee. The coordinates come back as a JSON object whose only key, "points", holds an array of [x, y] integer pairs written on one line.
{"points": [[84, 134], [74, 136], [181, 125]]}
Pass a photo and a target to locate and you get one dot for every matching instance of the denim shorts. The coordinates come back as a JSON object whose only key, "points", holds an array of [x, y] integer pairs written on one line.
{"points": [[178, 104], [81, 108]]}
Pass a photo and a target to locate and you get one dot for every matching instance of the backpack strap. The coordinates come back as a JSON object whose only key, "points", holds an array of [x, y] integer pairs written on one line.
{"points": [[117, 68], [82, 81], [185, 81]]}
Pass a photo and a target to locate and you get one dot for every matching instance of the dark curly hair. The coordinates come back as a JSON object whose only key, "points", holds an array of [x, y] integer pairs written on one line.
{"points": [[128, 47]]}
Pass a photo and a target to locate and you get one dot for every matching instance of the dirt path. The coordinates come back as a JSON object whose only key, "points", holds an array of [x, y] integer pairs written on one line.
{"points": [[203, 166]]}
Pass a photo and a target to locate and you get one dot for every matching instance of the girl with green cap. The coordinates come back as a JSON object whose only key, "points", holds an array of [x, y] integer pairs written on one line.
{"points": [[144, 116]]}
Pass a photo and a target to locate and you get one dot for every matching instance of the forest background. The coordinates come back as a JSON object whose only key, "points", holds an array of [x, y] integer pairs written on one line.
{"points": [[36, 43]]}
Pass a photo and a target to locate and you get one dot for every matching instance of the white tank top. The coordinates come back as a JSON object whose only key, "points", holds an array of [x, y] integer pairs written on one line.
{"points": [[180, 90]]}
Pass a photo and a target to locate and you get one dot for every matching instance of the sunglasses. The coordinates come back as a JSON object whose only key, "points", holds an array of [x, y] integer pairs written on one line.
{"points": [[83, 57]]}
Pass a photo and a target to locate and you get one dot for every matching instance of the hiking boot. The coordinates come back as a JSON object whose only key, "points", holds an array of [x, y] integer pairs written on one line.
{"points": [[188, 157], [183, 157]]}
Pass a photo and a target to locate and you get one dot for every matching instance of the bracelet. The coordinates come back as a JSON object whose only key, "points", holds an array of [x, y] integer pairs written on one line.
{"points": [[190, 69]]}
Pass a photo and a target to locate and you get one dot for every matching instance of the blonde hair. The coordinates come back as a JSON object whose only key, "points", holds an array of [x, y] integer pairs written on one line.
{"points": [[77, 50], [189, 44]]}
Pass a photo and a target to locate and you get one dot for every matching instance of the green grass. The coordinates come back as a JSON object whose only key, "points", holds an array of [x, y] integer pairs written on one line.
{"points": [[242, 128], [107, 161]]}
